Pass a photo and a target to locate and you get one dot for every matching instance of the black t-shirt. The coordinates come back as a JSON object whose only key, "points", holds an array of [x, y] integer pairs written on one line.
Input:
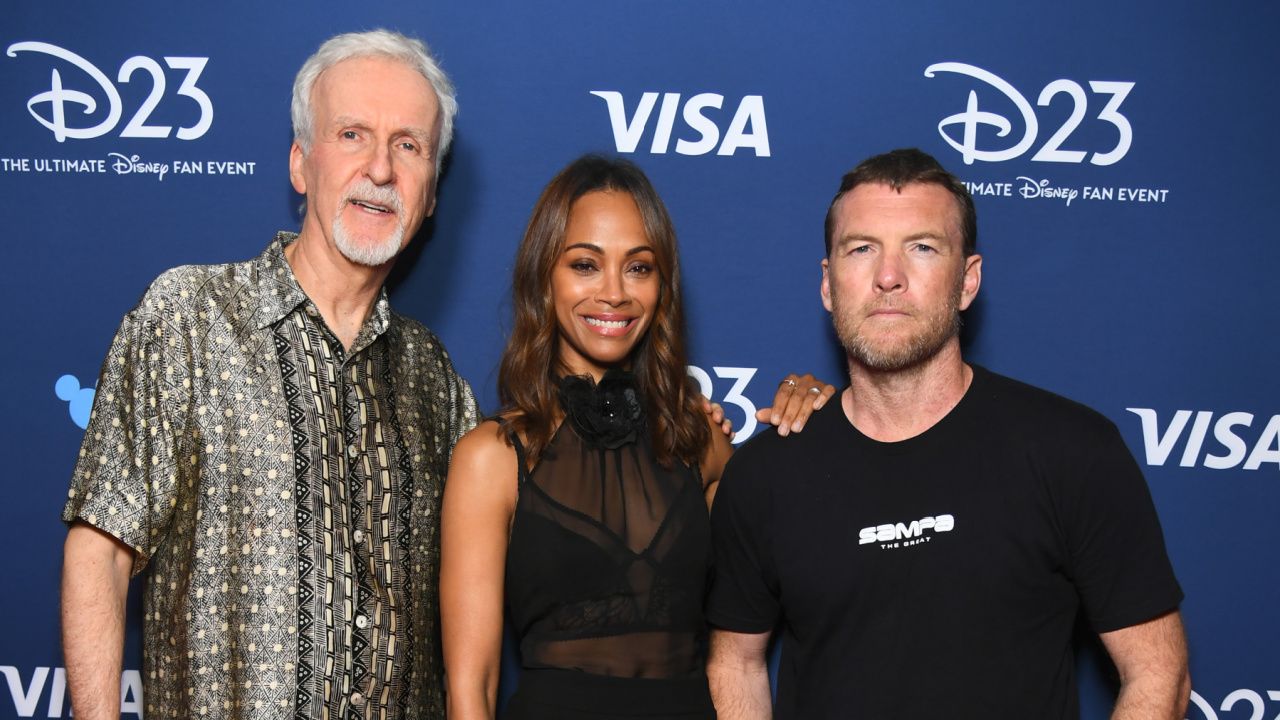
{"points": [[939, 576]]}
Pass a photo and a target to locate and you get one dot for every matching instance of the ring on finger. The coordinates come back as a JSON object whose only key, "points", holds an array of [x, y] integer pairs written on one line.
{"points": [[815, 390], [789, 382]]}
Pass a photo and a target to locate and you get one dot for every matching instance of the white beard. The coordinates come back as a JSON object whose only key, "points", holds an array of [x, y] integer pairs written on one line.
{"points": [[378, 252]]}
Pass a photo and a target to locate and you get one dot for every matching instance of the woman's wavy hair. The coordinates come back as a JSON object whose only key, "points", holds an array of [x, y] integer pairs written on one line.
{"points": [[528, 374]]}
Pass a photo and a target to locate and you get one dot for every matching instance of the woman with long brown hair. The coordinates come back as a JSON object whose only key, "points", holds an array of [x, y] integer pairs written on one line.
{"points": [[584, 503]]}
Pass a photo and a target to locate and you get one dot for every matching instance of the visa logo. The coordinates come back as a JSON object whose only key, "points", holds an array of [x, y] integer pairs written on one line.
{"points": [[1231, 431], [26, 696], [746, 130]]}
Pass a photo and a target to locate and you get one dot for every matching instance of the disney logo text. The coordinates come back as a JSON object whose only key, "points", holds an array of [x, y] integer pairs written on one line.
{"points": [[1032, 189], [123, 165]]}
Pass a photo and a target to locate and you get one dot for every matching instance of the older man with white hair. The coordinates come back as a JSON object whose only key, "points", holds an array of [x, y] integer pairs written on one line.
{"points": [[269, 439]]}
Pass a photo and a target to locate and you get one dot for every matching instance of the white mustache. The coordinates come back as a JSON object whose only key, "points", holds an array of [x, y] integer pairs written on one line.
{"points": [[366, 191]]}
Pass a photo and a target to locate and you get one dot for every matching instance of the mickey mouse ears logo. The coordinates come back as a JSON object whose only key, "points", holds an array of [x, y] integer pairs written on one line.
{"points": [[80, 400]]}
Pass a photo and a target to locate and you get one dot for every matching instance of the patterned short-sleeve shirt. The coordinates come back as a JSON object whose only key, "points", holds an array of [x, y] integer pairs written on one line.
{"points": [[282, 492]]}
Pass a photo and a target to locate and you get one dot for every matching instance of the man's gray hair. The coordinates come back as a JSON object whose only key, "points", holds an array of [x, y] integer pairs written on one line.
{"points": [[374, 43]]}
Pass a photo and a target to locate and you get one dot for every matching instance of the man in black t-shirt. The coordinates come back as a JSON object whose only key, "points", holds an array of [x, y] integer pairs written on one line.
{"points": [[943, 528]]}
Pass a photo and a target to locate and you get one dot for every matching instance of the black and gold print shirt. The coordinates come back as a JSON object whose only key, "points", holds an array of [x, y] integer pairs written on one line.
{"points": [[283, 494]]}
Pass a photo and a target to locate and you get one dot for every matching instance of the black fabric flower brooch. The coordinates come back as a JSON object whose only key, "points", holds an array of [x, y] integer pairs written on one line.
{"points": [[607, 414]]}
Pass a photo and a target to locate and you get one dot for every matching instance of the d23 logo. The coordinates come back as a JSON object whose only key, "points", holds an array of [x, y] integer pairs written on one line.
{"points": [[1247, 699], [740, 376], [1115, 93], [62, 101]]}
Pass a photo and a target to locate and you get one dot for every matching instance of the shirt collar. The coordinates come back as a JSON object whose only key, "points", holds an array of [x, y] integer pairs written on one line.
{"points": [[280, 293]]}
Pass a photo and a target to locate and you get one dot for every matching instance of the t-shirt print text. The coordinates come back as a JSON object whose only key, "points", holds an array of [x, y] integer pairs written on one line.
{"points": [[892, 536]]}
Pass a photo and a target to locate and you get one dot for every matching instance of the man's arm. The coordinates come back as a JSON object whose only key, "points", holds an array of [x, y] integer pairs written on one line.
{"points": [[1151, 658], [95, 584], [739, 676]]}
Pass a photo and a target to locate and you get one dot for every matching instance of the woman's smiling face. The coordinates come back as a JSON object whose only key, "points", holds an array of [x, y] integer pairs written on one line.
{"points": [[605, 284]]}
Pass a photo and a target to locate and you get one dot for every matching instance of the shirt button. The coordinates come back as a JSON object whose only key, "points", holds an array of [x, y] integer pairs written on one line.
{"points": [[358, 536], [362, 621], [357, 700], [352, 450]]}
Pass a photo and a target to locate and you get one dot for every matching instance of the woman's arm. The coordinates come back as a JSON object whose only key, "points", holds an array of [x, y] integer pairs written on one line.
{"points": [[479, 501], [796, 399], [713, 460]]}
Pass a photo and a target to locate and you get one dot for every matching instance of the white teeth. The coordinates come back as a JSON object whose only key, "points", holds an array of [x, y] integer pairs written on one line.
{"points": [[607, 323]]}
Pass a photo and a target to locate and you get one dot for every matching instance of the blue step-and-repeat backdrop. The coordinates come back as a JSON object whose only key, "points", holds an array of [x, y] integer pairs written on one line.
{"points": [[1123, 155]]}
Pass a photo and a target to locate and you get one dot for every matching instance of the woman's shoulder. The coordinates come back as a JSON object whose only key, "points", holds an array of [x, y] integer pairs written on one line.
{"points": [[499, 438], [483, 472], [486, 444], [491, 435]]}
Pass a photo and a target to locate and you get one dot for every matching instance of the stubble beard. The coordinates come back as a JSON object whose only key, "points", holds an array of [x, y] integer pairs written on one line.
{"points": [[899, 353], [370, 253]]}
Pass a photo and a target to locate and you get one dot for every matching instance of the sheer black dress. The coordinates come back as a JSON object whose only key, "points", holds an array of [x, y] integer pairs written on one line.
{"points": [[606, 570]]}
